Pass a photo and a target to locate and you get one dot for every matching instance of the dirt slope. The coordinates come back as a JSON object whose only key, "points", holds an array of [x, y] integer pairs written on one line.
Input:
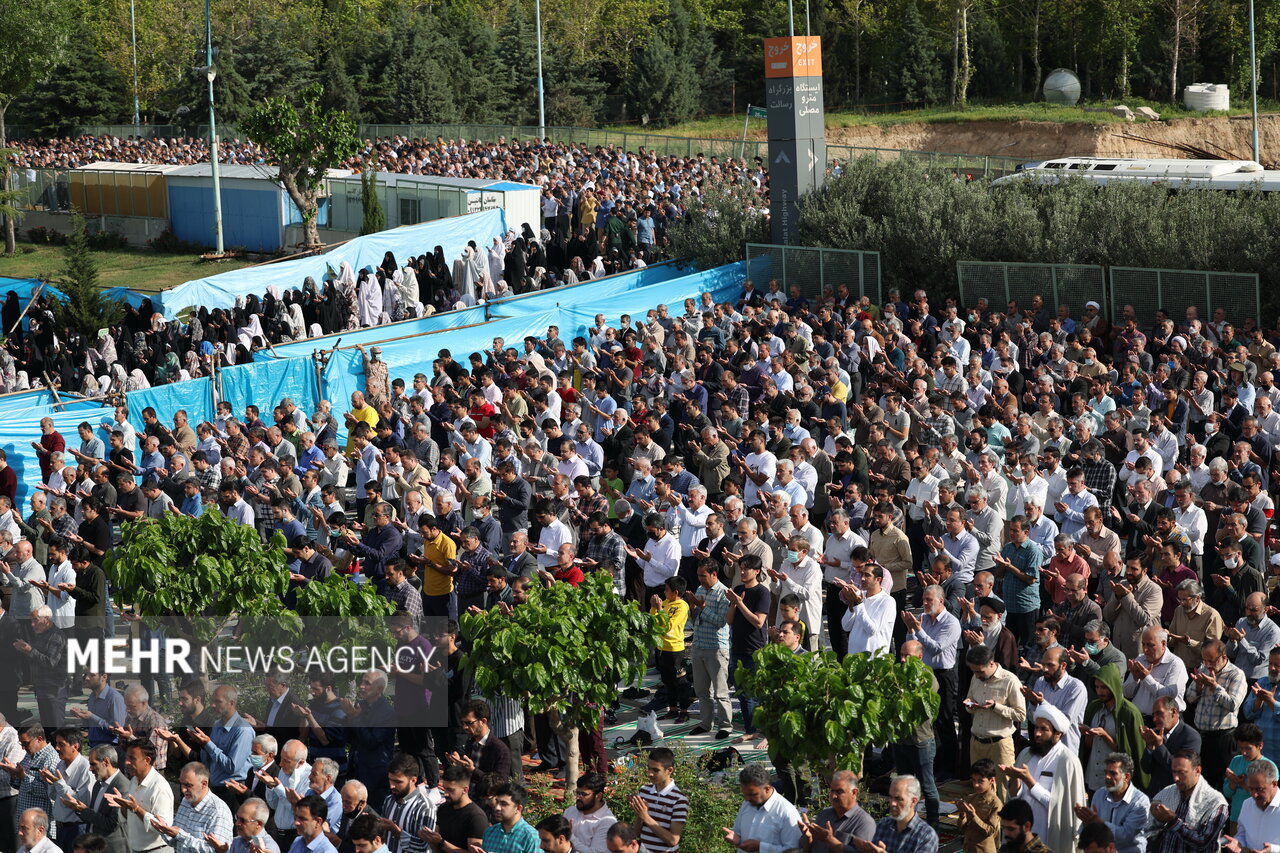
{"points": [[1230, 137]]}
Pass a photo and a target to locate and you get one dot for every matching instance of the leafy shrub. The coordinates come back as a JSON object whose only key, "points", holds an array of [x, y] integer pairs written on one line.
{"points": [[713, 798], [168, 243], [105, 241]]}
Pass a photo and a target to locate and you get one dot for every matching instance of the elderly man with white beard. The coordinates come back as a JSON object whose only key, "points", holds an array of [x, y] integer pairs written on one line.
{"points": [[1050, 778]]}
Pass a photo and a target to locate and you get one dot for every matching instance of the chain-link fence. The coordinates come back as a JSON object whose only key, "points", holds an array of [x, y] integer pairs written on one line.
{"points": [[1150, 290], [818, 272], [972, 165], [1070, 284]]}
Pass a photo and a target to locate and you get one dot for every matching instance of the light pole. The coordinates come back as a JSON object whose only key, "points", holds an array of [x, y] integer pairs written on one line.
{"points": [[791, 19], [542, 111], [211, 74], [1253, 77], [133, 30]]}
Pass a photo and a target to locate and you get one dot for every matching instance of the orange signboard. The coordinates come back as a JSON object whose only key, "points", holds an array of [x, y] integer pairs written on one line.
{"points": [[800, 56]]}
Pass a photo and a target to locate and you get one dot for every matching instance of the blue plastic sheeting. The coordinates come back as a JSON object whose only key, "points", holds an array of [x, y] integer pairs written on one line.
{"points": [[38, 403], [220, 291], [17, 433], [588, 291], [344, 372], [263, 384], [724, 283], [194, 395], [25, 287], [374, 334]]}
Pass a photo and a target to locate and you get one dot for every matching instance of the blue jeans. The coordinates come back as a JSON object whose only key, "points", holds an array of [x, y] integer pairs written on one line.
{"points": [[916, 759], [748, 703]]}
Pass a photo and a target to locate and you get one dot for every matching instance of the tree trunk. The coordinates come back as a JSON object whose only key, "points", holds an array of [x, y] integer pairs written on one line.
{"points": [[1036, 71], [573, 760], [10, 234], [955, 55], [1177, 44], [308, 204], [857, 51], [966, 67]]}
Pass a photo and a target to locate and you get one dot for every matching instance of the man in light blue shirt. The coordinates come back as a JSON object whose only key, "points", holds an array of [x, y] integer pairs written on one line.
{"points": [[765, 816], [309, 816], [1252, 638], [1120, 805], [226, 749]]}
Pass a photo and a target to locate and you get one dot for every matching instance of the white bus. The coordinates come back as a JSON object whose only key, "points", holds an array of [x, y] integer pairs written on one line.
{"points": [[1175, 174]]}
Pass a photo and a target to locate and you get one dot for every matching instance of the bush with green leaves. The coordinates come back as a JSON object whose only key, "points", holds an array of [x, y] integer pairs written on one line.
{"points": [[563, 653], [713, 798], [197, 577], [824, 711], [84, 306], [720, 223]]}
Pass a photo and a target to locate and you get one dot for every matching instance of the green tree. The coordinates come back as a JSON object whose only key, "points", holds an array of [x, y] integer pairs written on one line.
{"points": [[720, 222], [518, 65], [667, 77], [563, 653], [822, 711], [198, 576], [917, 74], [86, 307], [33, 36], [374, 219], [87, 91], [306, 140]]}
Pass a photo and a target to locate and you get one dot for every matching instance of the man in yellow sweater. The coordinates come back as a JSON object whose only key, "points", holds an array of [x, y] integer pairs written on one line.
{"points": [[671, 646]]}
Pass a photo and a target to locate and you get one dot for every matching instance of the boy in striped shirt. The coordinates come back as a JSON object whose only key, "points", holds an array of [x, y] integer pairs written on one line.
{"points": [[661, 808]]}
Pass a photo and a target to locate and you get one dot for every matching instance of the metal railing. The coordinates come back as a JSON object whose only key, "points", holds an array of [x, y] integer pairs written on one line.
{"points": [[819, 271], [975, 165], [1150, 290], [1070, 284]]}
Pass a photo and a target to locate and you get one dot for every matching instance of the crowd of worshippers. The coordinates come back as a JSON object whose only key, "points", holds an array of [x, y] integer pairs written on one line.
{"points": [[1067, 519], [144, 349]]}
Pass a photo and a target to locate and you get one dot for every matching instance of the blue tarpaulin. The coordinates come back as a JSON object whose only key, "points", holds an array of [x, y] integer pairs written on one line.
{"points": [[220, 291], [263, 384], [17, 433], [194, 396]]}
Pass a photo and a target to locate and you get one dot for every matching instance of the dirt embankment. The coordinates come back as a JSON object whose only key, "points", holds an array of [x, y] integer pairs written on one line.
{"points": [[1228, 137]]}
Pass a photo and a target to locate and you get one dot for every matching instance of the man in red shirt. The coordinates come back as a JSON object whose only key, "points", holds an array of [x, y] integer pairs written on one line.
{"points": [[483, 413], [51, 441], [566, 568]]}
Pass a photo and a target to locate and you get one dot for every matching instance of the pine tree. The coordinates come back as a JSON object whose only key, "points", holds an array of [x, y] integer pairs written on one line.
{"points": [[87, 91], [518, 66], [375, 219], [86, 308], [919, 73]]}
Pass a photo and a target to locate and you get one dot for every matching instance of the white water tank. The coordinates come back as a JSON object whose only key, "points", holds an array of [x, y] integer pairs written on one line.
{"points": [[1062, 87], [1207, 96]]}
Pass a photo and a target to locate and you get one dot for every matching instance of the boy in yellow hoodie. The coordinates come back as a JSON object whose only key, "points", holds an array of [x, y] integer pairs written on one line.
{"points": [[978, 814], [671, 647]]}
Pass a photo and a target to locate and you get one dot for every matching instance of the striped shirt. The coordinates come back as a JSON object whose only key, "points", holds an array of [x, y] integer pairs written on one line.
{"points": [[666, 807], [506, 716], [210, 815], [410, 814], [710, 631]]}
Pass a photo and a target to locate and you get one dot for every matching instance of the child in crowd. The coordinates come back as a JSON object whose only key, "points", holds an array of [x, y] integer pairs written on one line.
{"points": [[978, 813]]}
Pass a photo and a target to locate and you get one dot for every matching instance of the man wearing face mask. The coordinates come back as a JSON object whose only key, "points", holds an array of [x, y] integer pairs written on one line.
{"points": [[1076, 611], [1096, 652], [802, 576]]}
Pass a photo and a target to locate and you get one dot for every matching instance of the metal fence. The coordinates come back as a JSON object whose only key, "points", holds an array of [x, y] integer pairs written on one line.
{"points": [[1149, 290], [819, 271], [1070, 284], [975, 165]]}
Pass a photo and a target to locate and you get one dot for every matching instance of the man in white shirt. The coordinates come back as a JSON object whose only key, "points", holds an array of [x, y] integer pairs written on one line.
{"points": [[1141, 447], [766, 821], [151, 795], [1192, 520], [1155, 672], [871, 612], [800, 575], [72, 776], [758, 468], [295, 775], [660, 558], [33, 833], [590, 816], [1259, 825], [553, 534]]}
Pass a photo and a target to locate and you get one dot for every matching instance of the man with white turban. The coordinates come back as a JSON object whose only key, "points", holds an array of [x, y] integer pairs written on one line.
{"points": [[1049, 777]]}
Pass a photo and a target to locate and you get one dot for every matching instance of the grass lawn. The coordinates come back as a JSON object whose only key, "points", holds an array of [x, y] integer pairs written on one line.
{"points": [[730, 127], [139, 270]]}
